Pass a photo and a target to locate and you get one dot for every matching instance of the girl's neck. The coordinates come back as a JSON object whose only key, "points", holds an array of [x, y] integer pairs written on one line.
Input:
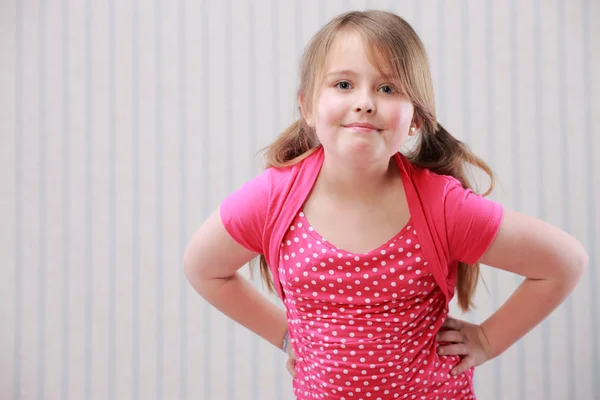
{"points": [[357, 182]]}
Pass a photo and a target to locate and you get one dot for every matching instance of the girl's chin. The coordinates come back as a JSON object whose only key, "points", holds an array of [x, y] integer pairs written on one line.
{"points": [[362, 151]]}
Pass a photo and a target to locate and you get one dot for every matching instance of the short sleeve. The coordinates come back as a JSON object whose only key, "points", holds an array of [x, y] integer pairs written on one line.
{"points": [[472, 222], [244, 213]]}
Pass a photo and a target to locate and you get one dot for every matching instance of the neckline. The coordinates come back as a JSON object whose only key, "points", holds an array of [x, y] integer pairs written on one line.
{"points": [[317, 236]]}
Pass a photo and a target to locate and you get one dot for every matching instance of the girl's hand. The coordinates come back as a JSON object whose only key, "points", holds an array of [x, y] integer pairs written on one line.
{"points": [[291, 362], [466, 340]]}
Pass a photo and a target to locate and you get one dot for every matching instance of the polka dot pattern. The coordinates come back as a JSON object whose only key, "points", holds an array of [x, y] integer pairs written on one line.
{"points": [[363, 325]]}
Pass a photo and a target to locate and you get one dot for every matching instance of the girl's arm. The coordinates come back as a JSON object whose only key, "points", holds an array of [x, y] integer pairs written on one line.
{"points": [[552, 263], [211, 263]]}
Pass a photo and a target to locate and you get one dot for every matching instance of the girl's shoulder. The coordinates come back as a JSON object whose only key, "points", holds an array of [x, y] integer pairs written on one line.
{"points": [[426, 180], [273, 185]]}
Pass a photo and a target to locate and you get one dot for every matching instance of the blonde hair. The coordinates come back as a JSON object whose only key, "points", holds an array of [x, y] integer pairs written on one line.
{"points": [[391, 40]]}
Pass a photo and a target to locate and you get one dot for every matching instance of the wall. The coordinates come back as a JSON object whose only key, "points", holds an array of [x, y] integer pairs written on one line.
{"points": [[123, 124]]}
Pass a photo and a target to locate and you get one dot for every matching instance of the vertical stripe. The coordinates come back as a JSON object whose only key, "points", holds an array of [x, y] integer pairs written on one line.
{"points": [[441, 83], [256, 340], [66, 204], [540, 139], [516, 165], [183, 309], [466, 74], [322, 14], [417, 21], [489, 55], [18, 301], [42, 200], [112, 205], [159, 200], [563, 107], [591, 198], [205, 167], [135, 206], [276, 125], [89, 206], [227, 34], [298, 28]]}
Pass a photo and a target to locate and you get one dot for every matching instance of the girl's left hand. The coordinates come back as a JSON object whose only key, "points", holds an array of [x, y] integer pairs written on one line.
{"points": [[465, 340]]}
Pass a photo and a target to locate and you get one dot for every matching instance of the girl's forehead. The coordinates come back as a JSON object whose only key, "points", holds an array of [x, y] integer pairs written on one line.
{"points": [[346, 46], [349, 52]]}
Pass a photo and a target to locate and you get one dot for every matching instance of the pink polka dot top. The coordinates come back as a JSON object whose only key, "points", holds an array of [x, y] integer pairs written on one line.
{"points": [[363, 326]]}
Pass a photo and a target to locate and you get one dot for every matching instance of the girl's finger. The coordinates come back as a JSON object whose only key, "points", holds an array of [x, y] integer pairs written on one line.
{"points": [[291, 367], [452, 324], [459, 349], [466, 363], [450, 336]]}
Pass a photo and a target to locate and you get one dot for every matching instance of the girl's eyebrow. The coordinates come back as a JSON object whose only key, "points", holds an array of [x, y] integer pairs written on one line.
{"points": [[385, 77], [340, 72]]}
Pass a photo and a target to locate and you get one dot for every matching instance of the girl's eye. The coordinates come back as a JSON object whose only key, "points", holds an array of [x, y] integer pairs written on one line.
{"points": [[386, 89], [345, 85]]}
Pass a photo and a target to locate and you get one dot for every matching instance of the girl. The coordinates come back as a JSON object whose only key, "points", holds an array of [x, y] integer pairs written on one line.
{"points": [[366, 246]]}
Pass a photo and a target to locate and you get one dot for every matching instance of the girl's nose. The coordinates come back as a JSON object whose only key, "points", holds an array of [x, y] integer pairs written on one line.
{"points": [[365, 104]]}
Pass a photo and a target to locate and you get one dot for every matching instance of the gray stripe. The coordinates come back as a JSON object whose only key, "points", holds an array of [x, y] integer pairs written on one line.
{"points": [[298, 28], [227, 35], [441, 84], [253, 142], [492, 160], [417, 17], [112, 205], [516, 168], [66, 205], [41, 330], [135, 166], [183, 309], [466, 77], [322, 14], [539, 107], [563, 104], [204, 15], [591, 178], [159, 201], [18, 302], [89, 207]]}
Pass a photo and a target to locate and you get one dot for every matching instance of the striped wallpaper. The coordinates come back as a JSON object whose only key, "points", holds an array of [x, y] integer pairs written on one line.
{"points": [[123, 125]]}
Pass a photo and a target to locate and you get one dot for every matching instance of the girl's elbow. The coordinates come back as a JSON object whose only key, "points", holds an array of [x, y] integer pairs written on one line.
{"points": [[582, 260], [190, 262], [575, 268]]}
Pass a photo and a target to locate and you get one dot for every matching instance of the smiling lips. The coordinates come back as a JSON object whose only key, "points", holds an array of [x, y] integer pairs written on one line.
{"points": [[362, 127]]}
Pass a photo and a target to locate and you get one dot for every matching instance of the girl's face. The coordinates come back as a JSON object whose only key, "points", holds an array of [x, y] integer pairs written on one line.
{"points": [[359, 115]]}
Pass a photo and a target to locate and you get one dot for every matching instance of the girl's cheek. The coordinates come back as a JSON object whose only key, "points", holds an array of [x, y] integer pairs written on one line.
{"points": [[331, 109], [402, 114]]}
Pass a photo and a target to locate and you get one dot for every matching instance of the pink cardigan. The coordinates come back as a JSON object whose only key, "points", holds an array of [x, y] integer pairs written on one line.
{"points": [[453, 223]]}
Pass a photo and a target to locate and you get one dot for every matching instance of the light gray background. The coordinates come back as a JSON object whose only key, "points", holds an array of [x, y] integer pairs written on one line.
{"points": [[123, 124]]}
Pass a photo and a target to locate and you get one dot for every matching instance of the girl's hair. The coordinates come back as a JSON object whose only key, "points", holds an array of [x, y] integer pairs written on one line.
{"points": [[392, 42]]}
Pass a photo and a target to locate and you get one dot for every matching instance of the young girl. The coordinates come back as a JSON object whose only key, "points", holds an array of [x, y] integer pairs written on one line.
{"points": [[366, 246]]}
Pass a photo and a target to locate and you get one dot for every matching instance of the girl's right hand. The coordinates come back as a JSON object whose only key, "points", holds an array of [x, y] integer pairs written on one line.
{"points": [[291, 362]]}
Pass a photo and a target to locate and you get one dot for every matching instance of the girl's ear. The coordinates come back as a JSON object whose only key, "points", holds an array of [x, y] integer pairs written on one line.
{"points": [[303, 110], [417, 122]]}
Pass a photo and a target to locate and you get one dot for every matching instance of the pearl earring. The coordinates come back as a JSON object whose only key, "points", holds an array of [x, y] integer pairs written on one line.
{"points": [[309, 122], [413, 129]]}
